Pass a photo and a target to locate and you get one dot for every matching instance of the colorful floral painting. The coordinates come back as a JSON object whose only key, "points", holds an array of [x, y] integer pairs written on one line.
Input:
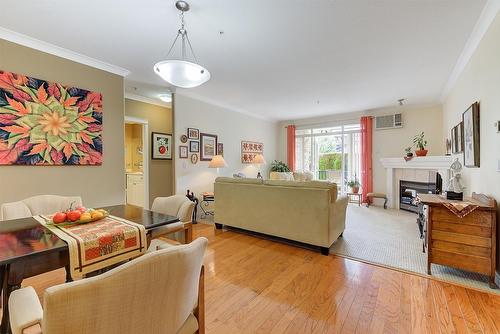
{"points": [[45, 123]]}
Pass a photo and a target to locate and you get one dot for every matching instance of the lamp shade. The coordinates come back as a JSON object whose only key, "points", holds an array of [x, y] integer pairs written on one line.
{"points": [[217, 162], [259, 160], [182, 73]]}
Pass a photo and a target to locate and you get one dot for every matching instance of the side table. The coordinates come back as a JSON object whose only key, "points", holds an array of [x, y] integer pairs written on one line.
{"points": [[354, 198]]}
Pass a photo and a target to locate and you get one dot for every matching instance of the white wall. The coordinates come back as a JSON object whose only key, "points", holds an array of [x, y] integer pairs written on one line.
{"points": [[231, 128], [480, 81], [387, 143]]}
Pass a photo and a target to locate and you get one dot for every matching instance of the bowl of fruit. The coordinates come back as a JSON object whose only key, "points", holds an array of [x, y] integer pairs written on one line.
{"points": [[80, 215]]}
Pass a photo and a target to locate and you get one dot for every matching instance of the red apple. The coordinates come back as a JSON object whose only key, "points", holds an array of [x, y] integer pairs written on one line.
{"points": [[59, 217], [163, 149], [81, 209], [73, 215]]}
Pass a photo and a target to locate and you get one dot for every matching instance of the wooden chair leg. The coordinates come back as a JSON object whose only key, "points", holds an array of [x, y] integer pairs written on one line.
{"points": [[188, 233], [199, 312]]}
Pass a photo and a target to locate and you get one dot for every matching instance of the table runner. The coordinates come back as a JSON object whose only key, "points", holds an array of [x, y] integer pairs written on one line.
{"points": [[99, 244], [460, 209]]}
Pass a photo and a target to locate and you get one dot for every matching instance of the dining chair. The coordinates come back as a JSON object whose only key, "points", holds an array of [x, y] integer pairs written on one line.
{"points": [[38, 205], [179, 206], [160, 292]]}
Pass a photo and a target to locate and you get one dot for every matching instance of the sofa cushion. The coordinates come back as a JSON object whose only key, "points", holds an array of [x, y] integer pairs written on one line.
{"points": [[303, 176], [281, 176], [238, 180]]}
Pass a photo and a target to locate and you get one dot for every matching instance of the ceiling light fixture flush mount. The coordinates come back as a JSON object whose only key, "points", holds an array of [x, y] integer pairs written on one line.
{"points": [[182, 72]]}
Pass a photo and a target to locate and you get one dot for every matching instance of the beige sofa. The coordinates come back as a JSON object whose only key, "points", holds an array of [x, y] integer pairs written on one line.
{"points": [[306, 212]]}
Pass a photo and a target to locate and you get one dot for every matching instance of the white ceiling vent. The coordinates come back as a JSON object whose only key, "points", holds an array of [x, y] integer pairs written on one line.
{"points": [[388, 122]]}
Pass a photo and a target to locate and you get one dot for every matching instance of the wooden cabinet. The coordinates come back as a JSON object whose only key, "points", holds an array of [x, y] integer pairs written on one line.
{"points": [[467, 243], [135, 189]]}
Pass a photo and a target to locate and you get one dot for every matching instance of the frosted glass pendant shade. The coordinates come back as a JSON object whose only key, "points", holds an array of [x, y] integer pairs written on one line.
{"points": [[182, 73]]}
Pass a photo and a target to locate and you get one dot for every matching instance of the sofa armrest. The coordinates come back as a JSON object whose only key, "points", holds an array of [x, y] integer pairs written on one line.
{"points": [[337, 217], [25, 310]]}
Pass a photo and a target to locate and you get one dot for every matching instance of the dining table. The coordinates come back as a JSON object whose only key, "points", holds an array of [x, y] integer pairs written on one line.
{"points": [[27, 248]]}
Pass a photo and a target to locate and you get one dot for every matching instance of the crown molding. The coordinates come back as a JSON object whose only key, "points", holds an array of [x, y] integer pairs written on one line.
{"points": [[55, 50], [144, 99], [225, 106], [487, 16]]}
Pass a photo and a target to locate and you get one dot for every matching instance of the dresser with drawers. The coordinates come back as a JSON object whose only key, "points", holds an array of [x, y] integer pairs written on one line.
{"points": [[467, 243]]}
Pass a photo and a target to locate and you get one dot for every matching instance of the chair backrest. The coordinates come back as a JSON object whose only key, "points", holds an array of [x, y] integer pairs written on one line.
{"points": [[37, 205], [177, 205], [154, 293]]}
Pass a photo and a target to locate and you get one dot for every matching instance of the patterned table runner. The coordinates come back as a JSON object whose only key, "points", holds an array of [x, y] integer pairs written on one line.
{"points": [[99, 244]]}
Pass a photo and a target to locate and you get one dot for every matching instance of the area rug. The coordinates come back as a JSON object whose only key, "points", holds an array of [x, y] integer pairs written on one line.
{"points": [[390, 238]]}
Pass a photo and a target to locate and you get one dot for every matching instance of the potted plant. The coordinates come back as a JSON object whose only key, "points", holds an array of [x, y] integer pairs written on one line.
{"points": [[420, 143], [354, 185], [408, 151], [280, 171]]}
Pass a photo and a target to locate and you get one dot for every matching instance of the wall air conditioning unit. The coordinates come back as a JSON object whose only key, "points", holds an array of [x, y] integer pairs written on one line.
{"points": [[388, 122]]}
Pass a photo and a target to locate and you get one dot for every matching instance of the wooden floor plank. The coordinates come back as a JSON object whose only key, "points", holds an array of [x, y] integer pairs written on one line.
{"points": [[255, 285]]}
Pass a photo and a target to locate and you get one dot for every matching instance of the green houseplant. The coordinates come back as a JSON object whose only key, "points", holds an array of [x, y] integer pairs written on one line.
{"points": [[420, 143], [354, 185], [408, 151], [279, 166]]}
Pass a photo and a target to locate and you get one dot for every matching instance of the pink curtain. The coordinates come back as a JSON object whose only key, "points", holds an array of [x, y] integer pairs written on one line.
{"points": [[290, 144], [366, 157]]}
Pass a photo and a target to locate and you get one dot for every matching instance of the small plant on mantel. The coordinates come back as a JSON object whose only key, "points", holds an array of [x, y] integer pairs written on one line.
{"points": [[354, 185], [279, 166], [420, 143], [408, 151]]}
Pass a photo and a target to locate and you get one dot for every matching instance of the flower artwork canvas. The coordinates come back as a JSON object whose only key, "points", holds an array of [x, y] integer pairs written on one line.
{"points": [[46, 123]]}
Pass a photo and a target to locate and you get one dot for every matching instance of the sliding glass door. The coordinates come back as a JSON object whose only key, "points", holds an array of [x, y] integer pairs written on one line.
{"points": [[331, 153]]}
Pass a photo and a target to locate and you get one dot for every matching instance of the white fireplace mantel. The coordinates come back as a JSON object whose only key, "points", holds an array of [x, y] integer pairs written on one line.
{"points": [[439, 163]]}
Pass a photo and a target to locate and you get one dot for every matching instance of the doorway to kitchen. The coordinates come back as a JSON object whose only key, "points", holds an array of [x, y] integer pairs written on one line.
{"points": [[136, 162]]}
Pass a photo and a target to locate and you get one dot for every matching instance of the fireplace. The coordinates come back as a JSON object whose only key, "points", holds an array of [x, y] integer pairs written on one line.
{"points": [[408, 191]]}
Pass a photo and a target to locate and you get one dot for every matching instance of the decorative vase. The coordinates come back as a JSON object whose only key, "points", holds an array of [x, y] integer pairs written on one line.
{"points": [[355, 190], [421, 153], [409, 155]]}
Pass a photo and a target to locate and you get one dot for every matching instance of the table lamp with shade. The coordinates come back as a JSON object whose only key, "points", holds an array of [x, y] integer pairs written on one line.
{"points": [[217, 162], [259, 160]]}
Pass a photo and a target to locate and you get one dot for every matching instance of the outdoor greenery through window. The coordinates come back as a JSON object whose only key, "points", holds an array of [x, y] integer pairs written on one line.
{"points": [[332, 153]]}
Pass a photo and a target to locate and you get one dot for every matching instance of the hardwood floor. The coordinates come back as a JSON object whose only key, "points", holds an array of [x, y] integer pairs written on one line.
{"points": [[259, 286]]}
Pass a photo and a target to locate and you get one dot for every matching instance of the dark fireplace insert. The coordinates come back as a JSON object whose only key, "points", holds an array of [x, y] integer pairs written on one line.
{"points": [[408, 191]]}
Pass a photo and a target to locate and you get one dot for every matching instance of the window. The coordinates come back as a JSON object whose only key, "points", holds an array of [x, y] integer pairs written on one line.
{"points": [[332, 153]]}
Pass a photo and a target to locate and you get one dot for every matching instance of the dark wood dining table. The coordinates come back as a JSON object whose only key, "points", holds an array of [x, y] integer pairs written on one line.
{"points": [[27, 249]]}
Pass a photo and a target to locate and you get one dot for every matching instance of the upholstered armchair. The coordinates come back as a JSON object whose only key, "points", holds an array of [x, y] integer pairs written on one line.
{"points": [[37, 205], [179, 206], [160, 292]]}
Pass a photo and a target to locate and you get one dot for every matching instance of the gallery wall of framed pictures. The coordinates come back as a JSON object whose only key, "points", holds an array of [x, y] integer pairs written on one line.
{"points": [[200, 146], [465, 137]]}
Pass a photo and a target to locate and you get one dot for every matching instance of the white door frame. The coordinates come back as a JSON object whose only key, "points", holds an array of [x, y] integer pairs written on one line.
{"points": [[145, 153]]}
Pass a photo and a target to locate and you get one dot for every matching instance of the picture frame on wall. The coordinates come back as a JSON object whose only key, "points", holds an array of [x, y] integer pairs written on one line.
{"points": [[193, 133], [249, 149], [220, 149], [471, 134], [460, 137], [183, 152], [194, 146], [161, 146], [208, 146], [454, 140]]}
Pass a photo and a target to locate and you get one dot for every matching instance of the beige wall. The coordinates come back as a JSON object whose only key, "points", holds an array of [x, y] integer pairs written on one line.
{"points": [[480, 81], [386, 143], [159, 120], [98, 185], [231, 128]]}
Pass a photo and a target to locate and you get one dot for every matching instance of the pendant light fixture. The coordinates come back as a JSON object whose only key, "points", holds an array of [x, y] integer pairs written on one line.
{"points": [[182, 72]]}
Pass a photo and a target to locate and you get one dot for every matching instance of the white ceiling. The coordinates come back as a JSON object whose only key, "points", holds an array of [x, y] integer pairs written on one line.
{"points": [[276, 58]]}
